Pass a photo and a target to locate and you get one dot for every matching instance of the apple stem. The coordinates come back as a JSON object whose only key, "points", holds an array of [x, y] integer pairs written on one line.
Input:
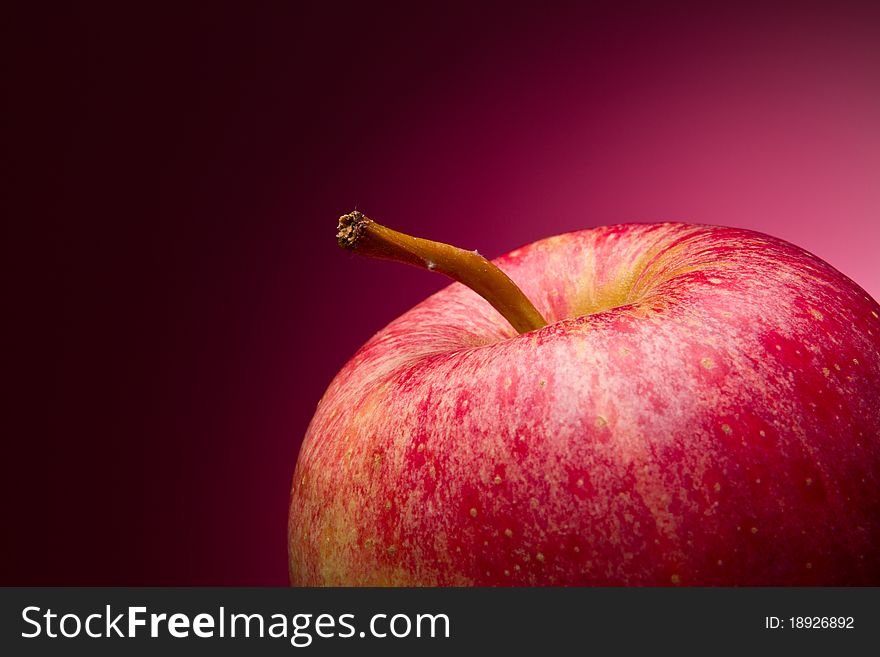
{"points": [[364, 236]]}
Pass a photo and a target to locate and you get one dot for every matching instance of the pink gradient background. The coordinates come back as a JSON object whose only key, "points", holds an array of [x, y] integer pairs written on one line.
{"points": [[177, 175]]}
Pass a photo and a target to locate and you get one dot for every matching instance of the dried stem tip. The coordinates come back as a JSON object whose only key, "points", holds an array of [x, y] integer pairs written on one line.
{"points": [[350, 228]]}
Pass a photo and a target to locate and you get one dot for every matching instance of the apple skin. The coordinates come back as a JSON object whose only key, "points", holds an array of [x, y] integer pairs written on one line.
{"points": [[703, 408]]}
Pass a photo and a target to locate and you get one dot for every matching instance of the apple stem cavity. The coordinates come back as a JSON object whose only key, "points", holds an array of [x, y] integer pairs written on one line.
{"points": [[363, 236]]}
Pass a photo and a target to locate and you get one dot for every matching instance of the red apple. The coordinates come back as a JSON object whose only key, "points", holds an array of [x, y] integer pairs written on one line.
{"points": [[702, 408]]}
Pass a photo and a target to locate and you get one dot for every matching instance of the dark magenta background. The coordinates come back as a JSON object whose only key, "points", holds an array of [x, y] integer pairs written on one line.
{"points": [[177, 301]]}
